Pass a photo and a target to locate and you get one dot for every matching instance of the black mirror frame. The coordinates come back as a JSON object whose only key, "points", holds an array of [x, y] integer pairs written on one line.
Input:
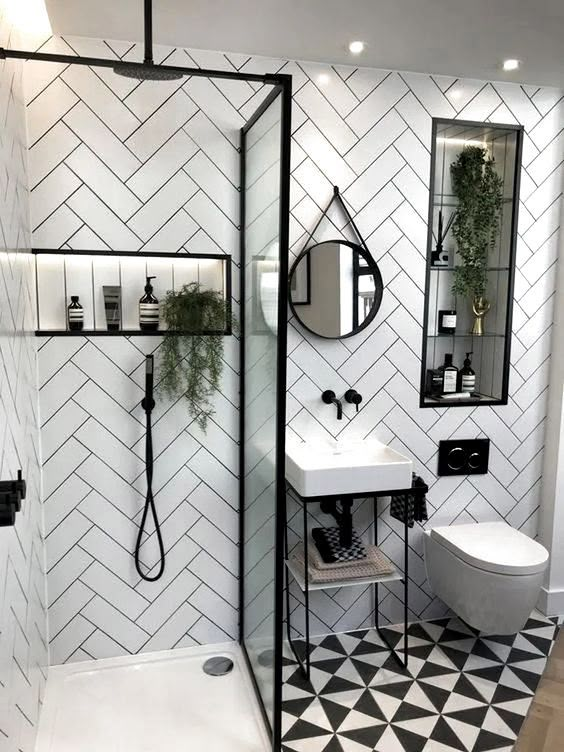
{"points": [[373, 268]]}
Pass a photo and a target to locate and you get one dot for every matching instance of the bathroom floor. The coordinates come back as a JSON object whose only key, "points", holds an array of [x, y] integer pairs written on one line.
{"points": [[460, 692], [159, 701]]}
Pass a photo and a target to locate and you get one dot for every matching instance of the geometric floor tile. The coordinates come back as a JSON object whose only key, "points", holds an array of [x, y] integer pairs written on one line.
{"points": [[461, 692]]}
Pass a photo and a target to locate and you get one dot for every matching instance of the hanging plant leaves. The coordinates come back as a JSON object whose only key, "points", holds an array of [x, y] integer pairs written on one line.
{"points": [[478, 189], [192, 364]]}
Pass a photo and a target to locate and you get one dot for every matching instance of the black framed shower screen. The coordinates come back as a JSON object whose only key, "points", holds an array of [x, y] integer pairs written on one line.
{"points": [[268, 312], [265, 209]]}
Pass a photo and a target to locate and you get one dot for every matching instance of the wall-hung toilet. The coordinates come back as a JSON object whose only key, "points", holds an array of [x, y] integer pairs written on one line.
{"points": [[488, 573]]}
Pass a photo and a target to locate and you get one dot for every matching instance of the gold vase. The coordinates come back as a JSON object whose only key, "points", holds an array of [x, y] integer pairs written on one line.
{"points": [[480, 306]]}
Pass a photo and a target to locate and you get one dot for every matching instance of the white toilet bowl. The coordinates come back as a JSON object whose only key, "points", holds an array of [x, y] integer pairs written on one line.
{"points": [[488, 573]]}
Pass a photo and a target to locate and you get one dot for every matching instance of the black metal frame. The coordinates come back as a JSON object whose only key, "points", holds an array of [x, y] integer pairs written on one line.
{"points": [[283, 87], [304, 662], [226, 259], [519, 131], [362, 249], [284, 90]]}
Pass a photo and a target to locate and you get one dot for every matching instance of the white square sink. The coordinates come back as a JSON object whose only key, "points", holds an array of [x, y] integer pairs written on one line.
{"points": [[323, 468]]}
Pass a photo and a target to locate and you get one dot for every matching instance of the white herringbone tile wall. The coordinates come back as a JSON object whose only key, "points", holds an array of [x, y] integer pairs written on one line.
{"points": [[126, 166], [23, 616]]}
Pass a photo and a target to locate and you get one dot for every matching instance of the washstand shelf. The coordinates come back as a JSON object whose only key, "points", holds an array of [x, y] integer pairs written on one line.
{"points": [[306, 586]]}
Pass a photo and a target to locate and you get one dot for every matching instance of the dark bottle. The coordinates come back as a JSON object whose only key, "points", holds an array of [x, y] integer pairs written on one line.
{"points": [[467, 376], [447, 321], [75, 315], [450, 375], [149, 309]]}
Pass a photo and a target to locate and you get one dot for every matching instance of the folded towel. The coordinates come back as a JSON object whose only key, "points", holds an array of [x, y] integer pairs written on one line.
{"points": [[378, 565], [410, 506], [327, 540]]}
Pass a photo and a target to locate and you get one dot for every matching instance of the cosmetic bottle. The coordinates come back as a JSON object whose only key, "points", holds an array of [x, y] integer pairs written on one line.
{"points": [[450, 375], [149, 309], [112, 305], [467, 376], [434, 383], [447, 321], [75, 315]]}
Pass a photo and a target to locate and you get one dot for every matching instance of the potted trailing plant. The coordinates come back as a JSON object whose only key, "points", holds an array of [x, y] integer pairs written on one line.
{"points": [[478, 189], [191, 362]]}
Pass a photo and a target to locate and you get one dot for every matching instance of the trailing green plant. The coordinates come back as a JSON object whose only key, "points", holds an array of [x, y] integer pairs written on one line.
{"points": [[191, 364], [478, 189]]}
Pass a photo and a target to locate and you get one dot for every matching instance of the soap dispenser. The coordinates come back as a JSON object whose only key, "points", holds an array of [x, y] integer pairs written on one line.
{"points": [[149, 309]]}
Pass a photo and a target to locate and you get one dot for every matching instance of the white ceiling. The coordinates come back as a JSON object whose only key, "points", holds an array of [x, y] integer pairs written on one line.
{"points": [[455, 37]]}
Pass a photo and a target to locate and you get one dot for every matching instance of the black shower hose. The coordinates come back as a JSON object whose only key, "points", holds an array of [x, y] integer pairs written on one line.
{"points": [[149, 502]]}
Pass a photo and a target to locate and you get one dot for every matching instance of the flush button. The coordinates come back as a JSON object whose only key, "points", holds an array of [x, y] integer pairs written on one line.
{"points": [[474, 460], [456, 458], [463, 456]]}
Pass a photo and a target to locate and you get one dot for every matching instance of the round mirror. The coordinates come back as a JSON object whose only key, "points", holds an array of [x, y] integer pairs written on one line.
{"points": [[335, 289]]}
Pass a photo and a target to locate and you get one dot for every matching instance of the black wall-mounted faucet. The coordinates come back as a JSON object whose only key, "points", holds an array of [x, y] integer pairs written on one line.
{"points": [[330, 398]]}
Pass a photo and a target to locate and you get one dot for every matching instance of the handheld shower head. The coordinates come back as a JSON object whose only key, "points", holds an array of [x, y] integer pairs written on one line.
{"points": [[148, 403]]}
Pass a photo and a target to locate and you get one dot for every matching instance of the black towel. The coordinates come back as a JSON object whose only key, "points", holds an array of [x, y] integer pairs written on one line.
{"points": [[327, 540], [414, 506]]}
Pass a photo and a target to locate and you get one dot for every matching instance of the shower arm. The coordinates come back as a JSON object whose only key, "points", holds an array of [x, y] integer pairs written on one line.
{"points": [[148, 33]]}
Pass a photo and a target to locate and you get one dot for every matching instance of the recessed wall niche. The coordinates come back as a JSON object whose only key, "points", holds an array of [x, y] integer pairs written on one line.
{"points": [[472, 235], [62, 274]]}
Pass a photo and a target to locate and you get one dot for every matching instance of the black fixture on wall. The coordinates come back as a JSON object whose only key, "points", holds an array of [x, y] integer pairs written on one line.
{"points": [[11, 494], [464, 457], [330, 398]]}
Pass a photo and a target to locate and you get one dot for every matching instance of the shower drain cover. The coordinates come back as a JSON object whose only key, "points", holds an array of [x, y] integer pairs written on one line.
{"points": [[219, 665]]}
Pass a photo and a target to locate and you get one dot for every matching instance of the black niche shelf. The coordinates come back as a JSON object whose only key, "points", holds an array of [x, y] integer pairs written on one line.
{"points": [[491, 351], [125, 333], [61, 273]]}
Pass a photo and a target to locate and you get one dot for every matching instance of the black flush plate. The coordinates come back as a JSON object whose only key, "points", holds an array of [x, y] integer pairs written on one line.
{"points": [[464, 456]]}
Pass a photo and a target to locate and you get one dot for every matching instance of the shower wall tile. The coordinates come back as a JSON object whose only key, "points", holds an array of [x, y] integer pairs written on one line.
{"points": [[23, 607], [172, 149]]}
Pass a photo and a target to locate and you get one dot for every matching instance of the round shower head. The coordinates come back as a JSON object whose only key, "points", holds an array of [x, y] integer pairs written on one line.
{"points": [[147, 72]]}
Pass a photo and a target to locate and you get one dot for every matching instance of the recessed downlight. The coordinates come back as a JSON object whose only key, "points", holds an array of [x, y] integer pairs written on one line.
{"points": [[511, 64], [356, 47]]}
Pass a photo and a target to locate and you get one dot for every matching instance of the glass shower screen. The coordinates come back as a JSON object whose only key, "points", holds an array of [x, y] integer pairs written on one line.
{"points": [[265, 187]]}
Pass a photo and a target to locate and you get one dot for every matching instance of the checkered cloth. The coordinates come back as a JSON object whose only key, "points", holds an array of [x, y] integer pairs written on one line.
{"points": [[327, 540], [412, 506]]}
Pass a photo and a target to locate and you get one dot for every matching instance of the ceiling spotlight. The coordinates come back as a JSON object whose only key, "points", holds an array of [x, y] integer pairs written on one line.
{"points": [[511, 64], [356, 47]]}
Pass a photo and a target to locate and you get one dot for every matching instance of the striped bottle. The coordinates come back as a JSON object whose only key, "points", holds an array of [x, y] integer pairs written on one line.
{"points": [[75, 314], [149, 309]]}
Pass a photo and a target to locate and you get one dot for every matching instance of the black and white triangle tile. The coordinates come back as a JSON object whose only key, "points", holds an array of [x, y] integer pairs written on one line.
{"points": [[461, 692]]}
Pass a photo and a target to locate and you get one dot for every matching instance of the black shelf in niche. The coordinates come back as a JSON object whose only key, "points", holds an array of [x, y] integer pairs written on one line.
{"points": [[61, 273], [490, 352], [459, 335]]}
